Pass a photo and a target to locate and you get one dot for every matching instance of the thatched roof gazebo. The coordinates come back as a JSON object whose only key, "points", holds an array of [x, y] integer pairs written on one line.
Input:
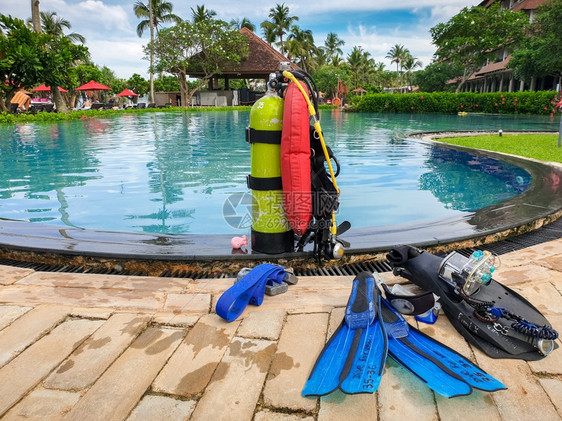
{"points": [[262, 60]]}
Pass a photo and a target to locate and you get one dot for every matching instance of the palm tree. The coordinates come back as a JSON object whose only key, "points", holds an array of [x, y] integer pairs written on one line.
{"points": [[320, 57], [280, 18], [410, 64], [202, 14], [336, 60], [155, 12], [53, 25], [397, 54], [35, 17], [244, 23], [300, 44], [161, 13], [356, 62], [269, 32], [332, 45]]}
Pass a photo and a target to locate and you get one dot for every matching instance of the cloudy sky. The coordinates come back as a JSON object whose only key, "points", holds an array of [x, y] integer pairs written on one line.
{"points": [[376, 25]]}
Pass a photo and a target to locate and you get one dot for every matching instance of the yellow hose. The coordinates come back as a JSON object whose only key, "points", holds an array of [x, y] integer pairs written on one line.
{"points": [[318, 129]]}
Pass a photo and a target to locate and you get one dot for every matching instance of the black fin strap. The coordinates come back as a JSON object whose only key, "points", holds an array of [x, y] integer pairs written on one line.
{"points": [[398, 255], [410, 304]]}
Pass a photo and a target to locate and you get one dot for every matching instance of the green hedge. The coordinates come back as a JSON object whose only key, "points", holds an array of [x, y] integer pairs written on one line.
{"points": [[450, 103], [76, 115]]}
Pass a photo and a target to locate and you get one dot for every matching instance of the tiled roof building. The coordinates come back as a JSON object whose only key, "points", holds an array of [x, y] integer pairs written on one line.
{"points": [[494, 76]]}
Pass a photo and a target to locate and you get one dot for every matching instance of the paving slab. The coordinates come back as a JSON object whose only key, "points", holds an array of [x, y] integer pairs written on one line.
{"points": [[267, 415], [83, 367], [91, 312], [525, 397], [302, 339], [402, 396], [162, 408], [97, 281], [27, 329], [170, 318], [190, 369], [188, 303], [90, 297], [338, 406], [10, 313], [543, 296], [524, 274], [43, 405], [264, 324], [121, 387], [533, 253], [236, 385], [10, 274], [24, 372], [553, 388], [551, 262]]}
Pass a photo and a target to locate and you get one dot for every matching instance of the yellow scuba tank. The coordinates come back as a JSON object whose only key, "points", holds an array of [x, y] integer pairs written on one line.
{"points": [[271, 232]]}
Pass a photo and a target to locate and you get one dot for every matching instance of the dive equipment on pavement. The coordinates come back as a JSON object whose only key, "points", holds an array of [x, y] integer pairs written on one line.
{"points": [[354, 357], [488, 314]]}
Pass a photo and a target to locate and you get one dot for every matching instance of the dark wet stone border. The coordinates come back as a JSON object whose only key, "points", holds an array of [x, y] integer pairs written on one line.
{"points": [[538, 205]]}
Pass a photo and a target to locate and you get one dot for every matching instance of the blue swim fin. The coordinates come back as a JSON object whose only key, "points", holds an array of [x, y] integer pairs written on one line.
{"points": [[441, 368], [354, 357]]}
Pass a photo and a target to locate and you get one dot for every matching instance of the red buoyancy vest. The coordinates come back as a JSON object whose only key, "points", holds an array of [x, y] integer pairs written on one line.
{"points": [[295, 160]]}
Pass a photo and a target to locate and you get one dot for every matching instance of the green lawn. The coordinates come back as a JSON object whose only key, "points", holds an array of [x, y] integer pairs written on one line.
{"points": [[543, 147]]}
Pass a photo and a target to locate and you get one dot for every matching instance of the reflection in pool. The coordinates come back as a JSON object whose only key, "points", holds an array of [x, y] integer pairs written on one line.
{"points": [[173, 172]]}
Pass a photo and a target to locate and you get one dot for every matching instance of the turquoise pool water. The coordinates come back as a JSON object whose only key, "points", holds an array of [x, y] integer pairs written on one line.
{"points": [[177, 173]]}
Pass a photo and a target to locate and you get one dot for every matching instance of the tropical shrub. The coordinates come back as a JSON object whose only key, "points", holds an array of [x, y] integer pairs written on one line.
{"points": [[542, 102]]}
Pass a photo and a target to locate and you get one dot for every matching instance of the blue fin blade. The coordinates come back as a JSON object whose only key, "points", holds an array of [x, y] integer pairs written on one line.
{"points": [[442, 369], [356, 353], [366, 369], [325, 376], [428, 372], [457, 365]]}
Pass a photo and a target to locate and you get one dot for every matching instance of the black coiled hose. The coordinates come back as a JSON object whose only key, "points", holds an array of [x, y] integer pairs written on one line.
{"points": [[529, 329], [486, 312]]}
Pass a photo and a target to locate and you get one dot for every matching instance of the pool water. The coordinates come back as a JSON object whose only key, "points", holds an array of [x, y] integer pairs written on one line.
{"points": [[176, 173]]}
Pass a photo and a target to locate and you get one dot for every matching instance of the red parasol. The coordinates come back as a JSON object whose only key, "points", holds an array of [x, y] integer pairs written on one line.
{"points": [[44, 88], [93, 86], [127, 92]]}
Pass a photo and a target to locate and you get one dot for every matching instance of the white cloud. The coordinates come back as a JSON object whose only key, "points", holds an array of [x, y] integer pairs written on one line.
{"points": [[92, 18], [110, 25], [378, 44], [123, 57]]}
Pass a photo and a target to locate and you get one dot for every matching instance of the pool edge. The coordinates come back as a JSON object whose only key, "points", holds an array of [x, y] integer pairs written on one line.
{"points": [[528, 211]]}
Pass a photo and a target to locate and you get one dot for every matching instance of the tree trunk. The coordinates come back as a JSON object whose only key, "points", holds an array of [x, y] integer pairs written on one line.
{"points": [[35, 16], [464, 78], [59, 102], [151, 17], [184, 89]]}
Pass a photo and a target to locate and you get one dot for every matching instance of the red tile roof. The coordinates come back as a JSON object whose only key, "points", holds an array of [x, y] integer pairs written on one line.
{"points": [[528, 5], [523, 5], [493, 67], [262, 60]]}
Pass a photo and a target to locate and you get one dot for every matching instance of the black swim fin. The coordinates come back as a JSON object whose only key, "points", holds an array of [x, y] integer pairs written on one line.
{"points": [[355, 356], [480, 317], [441, 368]]}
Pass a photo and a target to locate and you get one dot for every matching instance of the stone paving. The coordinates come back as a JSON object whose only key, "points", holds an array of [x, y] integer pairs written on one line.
{"points": [[101, 347]]}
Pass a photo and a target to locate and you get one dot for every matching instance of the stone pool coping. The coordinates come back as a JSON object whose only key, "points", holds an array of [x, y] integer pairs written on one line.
{"points": [[539, 204], [89, 346]]}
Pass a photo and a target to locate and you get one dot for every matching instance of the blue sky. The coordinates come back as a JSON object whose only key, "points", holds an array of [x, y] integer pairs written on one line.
{"points": [[376, 25]]}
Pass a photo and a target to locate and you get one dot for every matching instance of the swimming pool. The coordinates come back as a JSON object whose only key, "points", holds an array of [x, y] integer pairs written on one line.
{"points": [[174, 173]]}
